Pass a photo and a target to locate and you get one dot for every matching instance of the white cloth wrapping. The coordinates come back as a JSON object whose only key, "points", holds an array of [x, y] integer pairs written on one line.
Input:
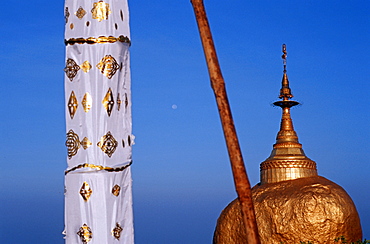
{"points": [[98, 197]]}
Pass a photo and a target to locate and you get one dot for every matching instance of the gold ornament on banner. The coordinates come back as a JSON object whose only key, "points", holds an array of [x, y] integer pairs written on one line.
{"points": [[108, 144], [121, 14], [80, 13], [108, 102], [85, 234], [108, 66], [129, 140], [72, 104], [100, 11], [71, 68], [87, 102], [66, 14], [117, 231], [72, 143], [126, 101], [119, 101], [116, 190], [85, 191], [95, 40], [98, 168], [86, 143], [86, 66]]}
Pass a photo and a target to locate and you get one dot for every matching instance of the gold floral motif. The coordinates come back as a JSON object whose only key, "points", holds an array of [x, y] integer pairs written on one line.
{"points": [[108, 66], [86, 143], [117, 231], [116, 190], [72, 104], [86, 66], [100, 11], [71, 69], [119, 102], [71, 26], [72, 143], [85, 191], [80, 13], [108, 144], [108, 101], [66, 14], [87, 102], [85, 234]]}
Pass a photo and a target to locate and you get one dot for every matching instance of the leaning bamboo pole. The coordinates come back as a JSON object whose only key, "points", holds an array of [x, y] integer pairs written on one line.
{"points": [[241, 181]]}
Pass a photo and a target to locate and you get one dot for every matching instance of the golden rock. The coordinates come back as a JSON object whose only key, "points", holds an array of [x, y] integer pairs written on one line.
{"points": [[292, 203], [306, 209]]}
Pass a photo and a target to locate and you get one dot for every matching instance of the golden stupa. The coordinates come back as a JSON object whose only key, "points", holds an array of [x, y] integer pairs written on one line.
{"points": [[292, 203]]}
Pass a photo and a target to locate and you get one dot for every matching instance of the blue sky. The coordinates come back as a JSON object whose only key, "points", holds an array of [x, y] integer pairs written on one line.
{"points": [[181, 172]]}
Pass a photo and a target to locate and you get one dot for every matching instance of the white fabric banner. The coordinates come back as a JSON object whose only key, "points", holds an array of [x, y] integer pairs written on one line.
{"points": [[98, 197]]}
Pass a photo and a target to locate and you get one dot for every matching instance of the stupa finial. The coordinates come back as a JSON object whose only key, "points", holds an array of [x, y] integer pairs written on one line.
{"points": [[285, 92], [284, 56]]}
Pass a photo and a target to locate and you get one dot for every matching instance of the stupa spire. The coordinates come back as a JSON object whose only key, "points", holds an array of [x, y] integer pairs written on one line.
{"points": [[287, 160]]}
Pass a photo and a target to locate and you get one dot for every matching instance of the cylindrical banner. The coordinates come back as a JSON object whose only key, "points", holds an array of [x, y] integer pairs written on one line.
{"points": [[98, 198]]}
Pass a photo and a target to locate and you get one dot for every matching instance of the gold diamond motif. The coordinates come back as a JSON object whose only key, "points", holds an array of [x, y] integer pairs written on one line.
{"points": [[85, 191], [87, 102], [80, 13], [86, 143], [108, 144], [117, 231], [100, 11], [108, 66], [71, 68], [72, 104], [126, 101], [86, 66], [116, 190], [85, 234], [119, 102], [108, 102], [72, 143]]}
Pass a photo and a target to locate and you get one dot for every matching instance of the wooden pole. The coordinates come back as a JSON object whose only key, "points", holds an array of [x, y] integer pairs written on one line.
{"points": [[241, 180]]}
